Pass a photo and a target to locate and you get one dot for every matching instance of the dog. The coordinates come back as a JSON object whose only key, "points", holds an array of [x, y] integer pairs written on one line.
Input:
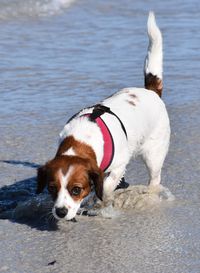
{"points": [[97, 143]]}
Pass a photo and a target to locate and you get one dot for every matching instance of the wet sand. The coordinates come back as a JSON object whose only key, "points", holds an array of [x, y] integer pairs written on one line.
{"points": [[55, 65]]}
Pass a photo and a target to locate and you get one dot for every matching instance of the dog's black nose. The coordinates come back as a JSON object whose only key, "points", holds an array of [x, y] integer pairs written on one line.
{"points": [[61, 212]]}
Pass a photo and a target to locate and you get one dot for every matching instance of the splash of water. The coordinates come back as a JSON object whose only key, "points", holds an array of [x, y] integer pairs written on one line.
{"points": [[137, 197]]}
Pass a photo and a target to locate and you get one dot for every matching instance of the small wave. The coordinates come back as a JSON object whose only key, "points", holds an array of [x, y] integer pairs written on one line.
{"points": [[137, 197], [19, 9]]}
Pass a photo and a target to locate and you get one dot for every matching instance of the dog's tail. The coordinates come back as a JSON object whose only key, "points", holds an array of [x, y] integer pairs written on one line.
{"points": [[153, 67]]}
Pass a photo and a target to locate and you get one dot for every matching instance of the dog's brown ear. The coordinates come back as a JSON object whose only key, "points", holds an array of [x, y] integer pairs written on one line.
{"points": [[41, 179], [96, 178]]}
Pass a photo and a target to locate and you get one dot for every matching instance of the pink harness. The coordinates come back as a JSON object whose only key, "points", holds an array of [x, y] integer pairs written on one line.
{"points": [[108, 145], [109, 148]]}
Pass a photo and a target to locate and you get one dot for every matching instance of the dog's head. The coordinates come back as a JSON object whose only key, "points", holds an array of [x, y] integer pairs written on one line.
{"points": [[69, 180]]}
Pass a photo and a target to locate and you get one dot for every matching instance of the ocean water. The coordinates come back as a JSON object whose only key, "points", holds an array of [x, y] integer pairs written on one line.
{"points": [[57, 56]]}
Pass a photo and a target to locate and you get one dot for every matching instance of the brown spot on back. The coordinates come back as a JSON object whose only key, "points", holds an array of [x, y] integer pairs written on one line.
{"points": [[131, 102], [133, 96], [154, 83], [133, 99]]}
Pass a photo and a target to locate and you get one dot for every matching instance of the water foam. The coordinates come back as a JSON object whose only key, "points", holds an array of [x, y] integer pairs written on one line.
{"points": [[19, 9], [137, 197]]}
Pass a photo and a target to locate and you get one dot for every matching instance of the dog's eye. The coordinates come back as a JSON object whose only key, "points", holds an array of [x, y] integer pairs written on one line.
{"points": [[52, 189], [76, 191]]}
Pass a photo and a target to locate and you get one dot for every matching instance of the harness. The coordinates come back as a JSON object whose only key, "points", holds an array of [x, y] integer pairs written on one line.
{"points": [[100, 109], [109, 147]]}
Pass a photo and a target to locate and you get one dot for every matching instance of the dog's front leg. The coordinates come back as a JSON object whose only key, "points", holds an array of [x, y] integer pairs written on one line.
{"points": [[111, 182]]}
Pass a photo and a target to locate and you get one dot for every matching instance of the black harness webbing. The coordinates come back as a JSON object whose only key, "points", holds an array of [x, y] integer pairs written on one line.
{"points": [[100, 109]]}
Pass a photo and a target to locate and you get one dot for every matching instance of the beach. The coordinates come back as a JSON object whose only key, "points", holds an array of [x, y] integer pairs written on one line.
{"points": [[58, 57]]}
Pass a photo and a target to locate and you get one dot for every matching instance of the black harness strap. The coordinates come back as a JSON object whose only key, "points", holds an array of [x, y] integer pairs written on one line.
{"points": [[100, 109]]}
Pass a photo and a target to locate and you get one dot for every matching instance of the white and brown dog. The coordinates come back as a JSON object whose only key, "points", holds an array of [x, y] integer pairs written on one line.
{"points": [[98, 142]]}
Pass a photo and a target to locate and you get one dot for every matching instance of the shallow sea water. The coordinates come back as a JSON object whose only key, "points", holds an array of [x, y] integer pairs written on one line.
{"points": [[58, 56]]}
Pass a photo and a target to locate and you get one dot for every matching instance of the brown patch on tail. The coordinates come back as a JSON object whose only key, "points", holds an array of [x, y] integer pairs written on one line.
{"points": [[153, 83]]}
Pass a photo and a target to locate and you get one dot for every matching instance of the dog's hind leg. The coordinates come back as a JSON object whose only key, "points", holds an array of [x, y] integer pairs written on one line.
{"points": [[154, 152]]}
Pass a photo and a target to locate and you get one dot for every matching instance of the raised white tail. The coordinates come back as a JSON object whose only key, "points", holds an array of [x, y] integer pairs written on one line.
{"points": [[153, 67]]}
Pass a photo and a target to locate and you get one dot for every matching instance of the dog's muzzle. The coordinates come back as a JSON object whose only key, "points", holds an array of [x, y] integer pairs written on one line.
{"points": [[61, 212]]}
